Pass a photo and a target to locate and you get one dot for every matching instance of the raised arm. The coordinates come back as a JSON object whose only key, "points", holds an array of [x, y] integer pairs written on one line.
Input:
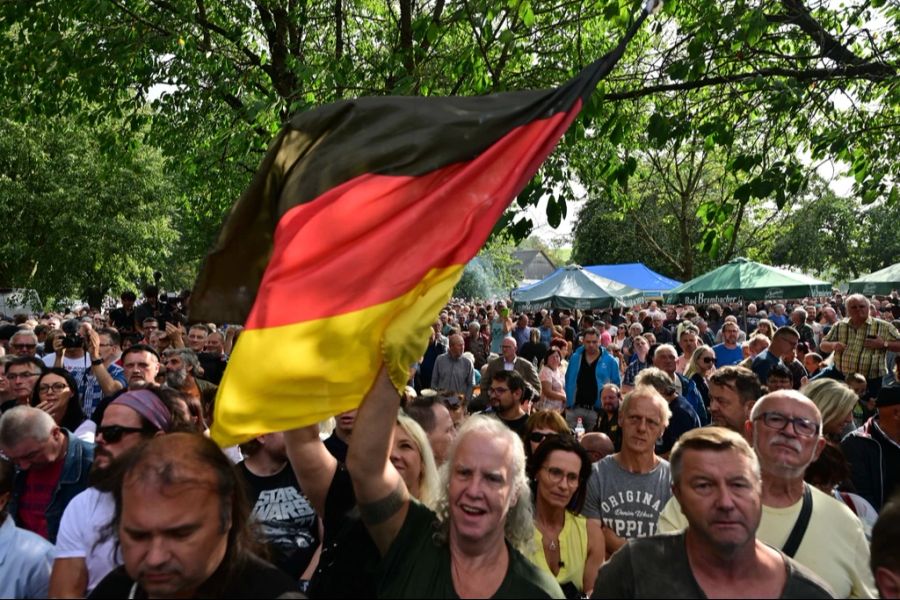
{"points": [[380, 492], [313, 464]]}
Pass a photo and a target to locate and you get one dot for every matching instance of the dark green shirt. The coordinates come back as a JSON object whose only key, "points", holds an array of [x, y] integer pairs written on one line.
{"points": [[416, 566], [658, 567]]}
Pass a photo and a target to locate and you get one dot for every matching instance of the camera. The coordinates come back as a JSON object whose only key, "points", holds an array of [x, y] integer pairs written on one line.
{"points": [[72, 338]]}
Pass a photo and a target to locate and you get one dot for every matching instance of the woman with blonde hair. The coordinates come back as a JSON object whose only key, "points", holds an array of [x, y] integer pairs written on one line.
{"points": [[835, 400], [543, 424], [700, 367]]}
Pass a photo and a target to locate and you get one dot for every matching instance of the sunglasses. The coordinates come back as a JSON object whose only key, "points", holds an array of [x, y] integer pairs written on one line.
{"points": [[113, 433], [707, 360], [537, 437]]}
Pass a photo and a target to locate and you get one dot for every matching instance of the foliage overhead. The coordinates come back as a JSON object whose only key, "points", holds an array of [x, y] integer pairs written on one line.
{"points": [[211, 82]]}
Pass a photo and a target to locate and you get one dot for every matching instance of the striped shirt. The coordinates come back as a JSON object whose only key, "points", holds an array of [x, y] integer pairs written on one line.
{"points": [[870, 362]]}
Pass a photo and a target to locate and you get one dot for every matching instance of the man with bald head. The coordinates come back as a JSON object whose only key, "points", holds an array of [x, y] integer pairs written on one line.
{"points": [[597, 445], [785, 428], [182, 522], [453, 371]]}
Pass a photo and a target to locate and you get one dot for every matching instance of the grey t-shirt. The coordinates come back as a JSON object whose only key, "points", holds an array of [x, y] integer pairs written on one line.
{"points": [[628, 503], [658, 567]]}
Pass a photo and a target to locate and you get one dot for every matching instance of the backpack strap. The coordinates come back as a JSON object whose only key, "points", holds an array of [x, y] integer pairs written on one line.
{"points": [[799, 530]]}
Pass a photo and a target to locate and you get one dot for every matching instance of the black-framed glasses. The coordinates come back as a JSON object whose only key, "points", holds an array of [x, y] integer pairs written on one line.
{"points": [[113, 433], [779, 422], [497, 391], [56, 387], [537, 436], [23, 346], [707, 360]]}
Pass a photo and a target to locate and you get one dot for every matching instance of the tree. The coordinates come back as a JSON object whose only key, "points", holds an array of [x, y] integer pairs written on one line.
{"points": [[82, 218], [235, 69], [494, 273]]}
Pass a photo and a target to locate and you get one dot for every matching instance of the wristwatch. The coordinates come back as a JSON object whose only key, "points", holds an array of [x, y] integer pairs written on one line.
{"points": [[96, 362]]}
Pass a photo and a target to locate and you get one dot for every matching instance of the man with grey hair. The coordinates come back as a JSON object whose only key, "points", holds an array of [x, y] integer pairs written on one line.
{"points": [[53, 468], [821, 533], [684, 417], [183, 374], [23, 343], [484, 510], [716, 479], [453, 371], [627, 489], [860, 343]]}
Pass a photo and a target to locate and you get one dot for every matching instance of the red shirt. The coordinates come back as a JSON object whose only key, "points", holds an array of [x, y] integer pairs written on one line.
{"points": [[40, 483]]}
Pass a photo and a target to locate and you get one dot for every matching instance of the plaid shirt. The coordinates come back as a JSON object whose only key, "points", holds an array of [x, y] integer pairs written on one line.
{"points": [[870, 362]]}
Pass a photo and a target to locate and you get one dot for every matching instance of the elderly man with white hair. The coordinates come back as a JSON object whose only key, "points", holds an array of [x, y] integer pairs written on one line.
{"points": [[483, 519]]}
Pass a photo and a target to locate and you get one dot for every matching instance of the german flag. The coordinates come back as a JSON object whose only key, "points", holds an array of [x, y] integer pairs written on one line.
{"points": [[353, 234]]}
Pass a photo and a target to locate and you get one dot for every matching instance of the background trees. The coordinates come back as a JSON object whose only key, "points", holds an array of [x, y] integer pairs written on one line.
{"points": [[766, 88]]}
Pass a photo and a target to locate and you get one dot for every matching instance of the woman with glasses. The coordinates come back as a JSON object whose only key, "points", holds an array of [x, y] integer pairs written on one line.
{"points": [[700, 367], [567, 545], [553, 382], [56, 393], [540, 425]]}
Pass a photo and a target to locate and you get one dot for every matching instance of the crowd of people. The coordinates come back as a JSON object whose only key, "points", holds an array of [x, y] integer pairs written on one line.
{"points": [[660, 451]]}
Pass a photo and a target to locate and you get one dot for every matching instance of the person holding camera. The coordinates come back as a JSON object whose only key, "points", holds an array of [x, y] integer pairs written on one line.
{"points": [[78, 352]]}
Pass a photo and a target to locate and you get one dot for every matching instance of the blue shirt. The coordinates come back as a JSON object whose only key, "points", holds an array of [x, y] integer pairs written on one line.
{"points": [[25, 562], [725, 357]]}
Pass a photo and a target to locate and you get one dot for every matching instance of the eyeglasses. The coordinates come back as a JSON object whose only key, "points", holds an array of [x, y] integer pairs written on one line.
{"points": [[779, 422], [497, 391], [113, 433], [23, 346], [556, 476], [56, 387], [707, 360], [14, 376], [537, 437]]}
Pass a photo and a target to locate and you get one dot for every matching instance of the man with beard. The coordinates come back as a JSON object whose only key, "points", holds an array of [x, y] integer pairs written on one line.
{"points": [[821, 533], [287, 522], [182, 374], [85, 554], [716, 478]]}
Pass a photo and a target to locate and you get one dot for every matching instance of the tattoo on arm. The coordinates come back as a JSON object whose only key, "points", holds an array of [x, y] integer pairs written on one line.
{"points": [[376, 513]]}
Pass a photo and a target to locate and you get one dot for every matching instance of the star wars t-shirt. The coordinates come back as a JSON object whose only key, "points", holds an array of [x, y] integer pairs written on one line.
{"points": [[285, 517]]}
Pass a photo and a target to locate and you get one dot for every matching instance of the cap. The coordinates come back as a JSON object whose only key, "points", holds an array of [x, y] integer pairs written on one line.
{"points": [[888, 396]]}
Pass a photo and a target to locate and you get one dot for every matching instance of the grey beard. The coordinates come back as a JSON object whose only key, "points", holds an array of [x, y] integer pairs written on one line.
{"points": [[176, 379]]}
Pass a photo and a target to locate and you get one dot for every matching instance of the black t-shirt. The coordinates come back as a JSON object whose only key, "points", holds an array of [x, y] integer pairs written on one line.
{"points": [[586, 392], [337, 447], [123, 321], [288, 523], [254, 578], [349, 557], [213, 366], [518, 424]]}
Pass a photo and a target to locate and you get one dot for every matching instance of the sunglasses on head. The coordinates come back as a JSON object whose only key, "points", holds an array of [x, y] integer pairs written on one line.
{"points": [[537, 437], [113, 433]]}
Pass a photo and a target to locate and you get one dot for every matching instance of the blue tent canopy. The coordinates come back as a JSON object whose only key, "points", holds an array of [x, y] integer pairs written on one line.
{"points": [[638, 276]]}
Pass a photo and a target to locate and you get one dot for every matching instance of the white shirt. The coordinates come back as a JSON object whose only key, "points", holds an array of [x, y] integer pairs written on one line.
{"points": [[83, 525]]}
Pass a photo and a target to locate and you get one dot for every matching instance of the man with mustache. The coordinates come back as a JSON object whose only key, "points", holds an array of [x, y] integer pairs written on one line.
{"points": [[183, 374], [82, 556], [786, 431]]}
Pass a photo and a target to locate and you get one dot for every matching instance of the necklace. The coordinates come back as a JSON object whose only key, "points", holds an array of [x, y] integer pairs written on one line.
{"points": [[552, 541]]}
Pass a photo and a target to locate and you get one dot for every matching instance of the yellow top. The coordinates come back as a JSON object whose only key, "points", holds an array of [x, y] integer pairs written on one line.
{"points": [[573, 551]]}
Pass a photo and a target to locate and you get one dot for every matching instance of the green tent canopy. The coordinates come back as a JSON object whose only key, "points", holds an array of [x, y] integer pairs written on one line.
{"points": [[573, 287], [881, 282], [743, 279]]}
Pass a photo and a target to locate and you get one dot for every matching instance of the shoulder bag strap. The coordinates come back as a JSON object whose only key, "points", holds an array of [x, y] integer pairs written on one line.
{"points": [[797, 533]]}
